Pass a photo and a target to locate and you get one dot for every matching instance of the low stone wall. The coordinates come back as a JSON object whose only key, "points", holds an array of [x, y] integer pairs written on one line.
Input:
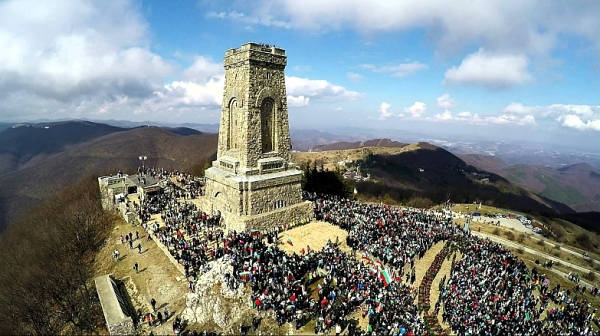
{"points": [[165, 250], [114, 305]]}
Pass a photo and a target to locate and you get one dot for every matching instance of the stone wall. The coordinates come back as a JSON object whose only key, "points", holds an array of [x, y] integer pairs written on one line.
{"points": [[268, 199], [289, 216], [118, 320], [224, 193]]}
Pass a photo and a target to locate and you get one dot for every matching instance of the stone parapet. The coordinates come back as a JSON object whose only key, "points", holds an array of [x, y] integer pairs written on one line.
{"points": [[114, 306]]}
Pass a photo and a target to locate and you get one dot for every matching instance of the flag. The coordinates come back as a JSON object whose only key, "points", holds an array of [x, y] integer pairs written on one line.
{"points": [[255, 233], [289, 241], [385, 276], [244, 275]]}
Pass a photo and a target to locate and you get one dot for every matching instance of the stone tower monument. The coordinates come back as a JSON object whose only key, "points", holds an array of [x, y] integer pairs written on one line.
{"points": [[252, 183]]}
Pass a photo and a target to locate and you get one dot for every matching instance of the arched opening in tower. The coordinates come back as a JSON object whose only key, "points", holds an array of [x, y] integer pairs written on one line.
{"points": [[232, 124], [267, 121]]}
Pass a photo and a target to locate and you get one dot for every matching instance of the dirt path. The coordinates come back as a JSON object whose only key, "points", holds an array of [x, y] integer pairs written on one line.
{"points": [[157, 278], [435, 291], [315, 234], [422, 265]]}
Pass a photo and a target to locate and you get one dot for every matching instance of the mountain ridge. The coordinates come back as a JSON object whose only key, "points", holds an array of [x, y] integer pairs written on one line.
{"points": [[22, 188], [577, 185]]}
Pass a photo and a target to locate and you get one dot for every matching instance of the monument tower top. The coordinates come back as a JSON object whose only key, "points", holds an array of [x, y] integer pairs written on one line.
{"points": [[254, 134]]}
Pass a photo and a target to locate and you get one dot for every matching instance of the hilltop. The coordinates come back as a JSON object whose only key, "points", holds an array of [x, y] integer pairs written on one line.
{"points": [[358, 144], [217, 305], [48, 172], [24, 144], [429, 174]]}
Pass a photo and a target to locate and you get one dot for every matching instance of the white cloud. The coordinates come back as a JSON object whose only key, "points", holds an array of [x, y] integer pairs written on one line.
{"points": [[397, 70], [416, 110], [532, 27], [193, 93], [511, 115], [575, 116], [76, 49], [264, 19], [203, 69], [505, 119], [574, 121], [445, 101], [444, 116], [354, 76], [90, 59], [495, 71], [581, 110], [518, 108], [384, 110], [298, 101], [318, 89]]}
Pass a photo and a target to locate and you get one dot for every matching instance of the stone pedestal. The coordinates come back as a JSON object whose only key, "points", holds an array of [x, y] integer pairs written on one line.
{"points": [[256, 201]]}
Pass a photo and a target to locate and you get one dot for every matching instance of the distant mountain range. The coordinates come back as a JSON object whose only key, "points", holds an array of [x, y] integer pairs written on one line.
{"points": [[38, 161], [577, 185]]}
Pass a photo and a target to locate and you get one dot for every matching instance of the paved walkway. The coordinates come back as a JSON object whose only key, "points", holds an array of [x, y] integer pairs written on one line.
{"points": [[532, 251]]}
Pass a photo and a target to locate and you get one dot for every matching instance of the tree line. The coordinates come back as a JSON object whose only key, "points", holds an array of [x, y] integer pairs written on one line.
{"points": [[317, 179], [47, 258]]}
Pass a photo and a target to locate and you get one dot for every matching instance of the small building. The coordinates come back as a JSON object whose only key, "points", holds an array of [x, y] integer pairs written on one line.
{"points": [[115, 188]]}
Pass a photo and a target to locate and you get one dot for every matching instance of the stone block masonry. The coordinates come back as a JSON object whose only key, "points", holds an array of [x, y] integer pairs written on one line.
{"points": [[252, 184]]}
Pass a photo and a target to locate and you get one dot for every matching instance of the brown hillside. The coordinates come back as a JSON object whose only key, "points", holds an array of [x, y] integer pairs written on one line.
{"points": [[358, 144], [493, 164], [576, 185], [21, 189]]}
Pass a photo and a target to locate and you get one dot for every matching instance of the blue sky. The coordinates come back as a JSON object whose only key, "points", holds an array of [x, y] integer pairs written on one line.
{"points": [[503, 69]]}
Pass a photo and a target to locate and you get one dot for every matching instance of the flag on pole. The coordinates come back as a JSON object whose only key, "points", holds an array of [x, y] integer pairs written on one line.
{"points": [[385, 276]]}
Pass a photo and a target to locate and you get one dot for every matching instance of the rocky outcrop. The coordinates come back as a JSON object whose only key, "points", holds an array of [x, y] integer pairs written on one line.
{"points": [[214, 303]]}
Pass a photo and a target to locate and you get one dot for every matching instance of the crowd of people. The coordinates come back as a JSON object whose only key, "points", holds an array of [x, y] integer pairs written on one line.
{"points": [[192, 236], [326, 286], [492, 292], [489, 290]]}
